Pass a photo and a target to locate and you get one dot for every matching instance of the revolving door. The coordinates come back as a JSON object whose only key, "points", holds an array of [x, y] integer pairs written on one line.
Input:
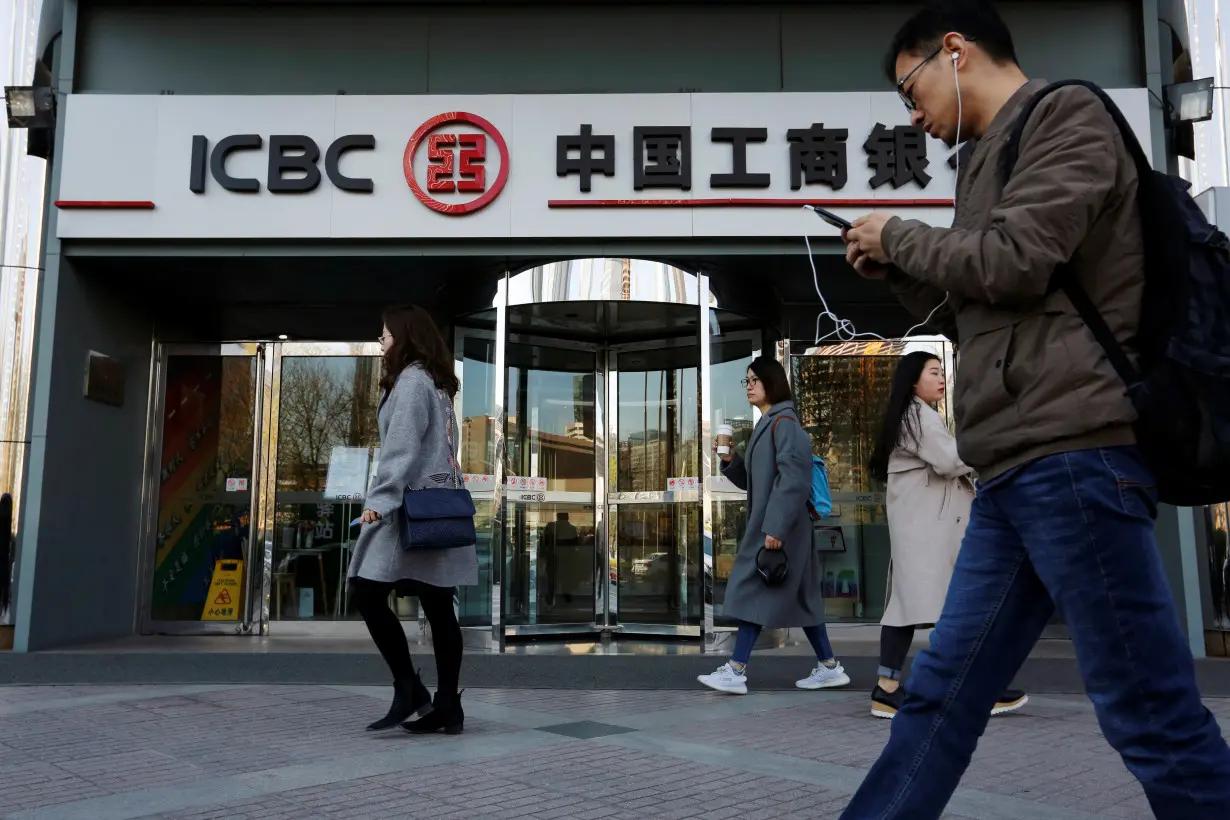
{"points": [[588, 395]]}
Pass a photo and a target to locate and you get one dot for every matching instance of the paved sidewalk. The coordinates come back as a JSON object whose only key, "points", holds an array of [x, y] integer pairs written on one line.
{"points": [[300, 752]]}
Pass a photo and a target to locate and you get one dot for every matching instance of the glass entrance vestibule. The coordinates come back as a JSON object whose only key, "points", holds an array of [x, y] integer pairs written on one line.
{"points": [[590, 390]]}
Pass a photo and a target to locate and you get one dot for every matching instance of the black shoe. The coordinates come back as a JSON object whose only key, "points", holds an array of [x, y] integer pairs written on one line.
{"points": [[1009, 701], [445, 715], [410, 697], [885, 704]]}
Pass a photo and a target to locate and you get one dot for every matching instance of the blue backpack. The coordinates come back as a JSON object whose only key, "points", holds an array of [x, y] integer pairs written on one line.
{"points": [[1181, 385], [820, 504]]}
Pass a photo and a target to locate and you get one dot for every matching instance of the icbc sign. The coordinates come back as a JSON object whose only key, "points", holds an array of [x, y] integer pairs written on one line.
{"points": [[457, 162]]}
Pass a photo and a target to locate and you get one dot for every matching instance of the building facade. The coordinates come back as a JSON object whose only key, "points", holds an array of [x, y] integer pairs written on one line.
{"points": [[602, 206]]}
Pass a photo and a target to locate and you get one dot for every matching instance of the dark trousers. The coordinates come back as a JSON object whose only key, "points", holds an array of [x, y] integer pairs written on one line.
{"points": [[894, 648], [371, 598], [1073, 531]]}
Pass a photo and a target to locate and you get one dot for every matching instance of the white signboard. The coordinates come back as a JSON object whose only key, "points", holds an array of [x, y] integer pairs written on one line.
{"points": [[348, 474], [438, 167]]}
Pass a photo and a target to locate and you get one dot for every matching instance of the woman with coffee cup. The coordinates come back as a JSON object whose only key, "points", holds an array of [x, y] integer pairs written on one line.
{"points": [[776, 580]]}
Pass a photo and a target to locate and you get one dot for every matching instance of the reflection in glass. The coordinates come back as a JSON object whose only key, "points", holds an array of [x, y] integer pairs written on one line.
{"points": [[207, 437], [552, 559], [478, 386], [551, 417], [326, 414], [729, 360], [474, 603], [658, 409], [658, 548], [840, 400], [729, 525], [1219, 564]]}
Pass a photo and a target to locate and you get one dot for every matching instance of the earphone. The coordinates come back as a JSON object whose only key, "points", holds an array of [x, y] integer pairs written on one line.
{"points": [[843, 329]]}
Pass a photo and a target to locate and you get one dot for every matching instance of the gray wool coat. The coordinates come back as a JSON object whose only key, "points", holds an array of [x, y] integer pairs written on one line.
{"points": [[418, 446], [776, 472]]}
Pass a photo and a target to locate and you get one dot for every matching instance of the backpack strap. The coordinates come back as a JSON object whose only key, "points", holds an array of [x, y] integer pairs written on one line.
{"points": [[1063, 278]]}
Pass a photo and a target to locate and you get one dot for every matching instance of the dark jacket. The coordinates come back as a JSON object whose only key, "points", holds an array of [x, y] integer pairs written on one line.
{"points": [[1031, 380], [777, 477]]}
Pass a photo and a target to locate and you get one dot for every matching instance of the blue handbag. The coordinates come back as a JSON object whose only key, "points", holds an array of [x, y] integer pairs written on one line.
{"points": [[439, 517]]}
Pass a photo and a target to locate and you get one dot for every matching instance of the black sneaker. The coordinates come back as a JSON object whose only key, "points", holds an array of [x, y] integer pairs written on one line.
{"points": [[1009, 701], [885, 704]]}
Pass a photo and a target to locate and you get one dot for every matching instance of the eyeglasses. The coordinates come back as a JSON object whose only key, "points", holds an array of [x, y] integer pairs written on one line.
{"points": [[383, 336], [752, 382], [907, 97]]}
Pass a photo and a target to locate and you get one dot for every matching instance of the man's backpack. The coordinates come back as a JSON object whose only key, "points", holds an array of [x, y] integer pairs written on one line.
{"points": [[1181, 387]]}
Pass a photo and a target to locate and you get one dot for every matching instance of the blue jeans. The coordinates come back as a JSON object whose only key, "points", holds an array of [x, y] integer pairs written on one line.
{"points": [[746, 637], [1075, 529]]}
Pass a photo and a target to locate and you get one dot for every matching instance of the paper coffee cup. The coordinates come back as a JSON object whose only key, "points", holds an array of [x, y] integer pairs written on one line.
{"points": [[725, 433]]}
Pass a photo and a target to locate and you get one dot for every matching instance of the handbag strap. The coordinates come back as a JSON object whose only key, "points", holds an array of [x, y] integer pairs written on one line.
{"points": [[450, 423]]}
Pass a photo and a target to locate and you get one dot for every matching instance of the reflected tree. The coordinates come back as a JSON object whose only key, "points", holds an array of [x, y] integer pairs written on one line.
{"points": [[316, 414], [236, 417]]}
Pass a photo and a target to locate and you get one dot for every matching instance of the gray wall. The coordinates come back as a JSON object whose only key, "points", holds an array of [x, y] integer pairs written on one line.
{"points": [[89, 521], [434, 49]]}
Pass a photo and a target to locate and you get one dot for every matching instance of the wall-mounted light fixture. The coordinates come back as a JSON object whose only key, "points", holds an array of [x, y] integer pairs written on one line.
{"points": [[30, 106], [1189, 102]]}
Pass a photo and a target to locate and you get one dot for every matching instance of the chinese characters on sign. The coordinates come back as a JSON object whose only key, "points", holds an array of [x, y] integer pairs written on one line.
{"points": [[662, 156]]}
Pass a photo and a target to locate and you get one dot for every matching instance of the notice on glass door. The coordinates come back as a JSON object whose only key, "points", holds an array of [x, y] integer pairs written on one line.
{"points": [[347, 478]]}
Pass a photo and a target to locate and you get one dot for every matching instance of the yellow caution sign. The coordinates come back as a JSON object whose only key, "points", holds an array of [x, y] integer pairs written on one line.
{"points": [[225, 592]]}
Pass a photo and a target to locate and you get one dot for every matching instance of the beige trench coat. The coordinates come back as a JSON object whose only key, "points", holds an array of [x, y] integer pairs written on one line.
{"points": [[930, 492]]}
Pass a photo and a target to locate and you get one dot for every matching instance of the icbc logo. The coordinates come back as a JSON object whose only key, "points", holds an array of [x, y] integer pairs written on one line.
{"points": [[456, 163]]}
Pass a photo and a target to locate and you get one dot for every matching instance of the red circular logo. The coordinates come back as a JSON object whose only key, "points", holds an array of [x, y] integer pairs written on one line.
{"points": [[456, 163]]}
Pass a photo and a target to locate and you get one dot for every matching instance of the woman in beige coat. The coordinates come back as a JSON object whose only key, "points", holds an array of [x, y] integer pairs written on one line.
{"points": [[930, 492]]}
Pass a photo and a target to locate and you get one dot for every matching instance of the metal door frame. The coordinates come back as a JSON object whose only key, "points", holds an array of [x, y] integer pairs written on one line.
{"points": [[145, 622]]}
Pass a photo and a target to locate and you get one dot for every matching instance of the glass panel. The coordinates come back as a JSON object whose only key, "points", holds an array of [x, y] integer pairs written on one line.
{"points": [[729, 524], [728, 398], [658, 548], [551, 417], [327, 434], [839, 400], [207, 432], [658, 418], [479, 383], [478, 386], [474, 603], [552, 558]]}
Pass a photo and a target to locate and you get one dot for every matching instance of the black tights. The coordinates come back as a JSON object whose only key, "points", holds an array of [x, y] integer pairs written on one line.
{"points": [[894, 647], [371, 598]]}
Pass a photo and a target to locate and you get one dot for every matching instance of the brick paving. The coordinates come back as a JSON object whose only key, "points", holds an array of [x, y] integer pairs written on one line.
{"points": [[269, 752]]}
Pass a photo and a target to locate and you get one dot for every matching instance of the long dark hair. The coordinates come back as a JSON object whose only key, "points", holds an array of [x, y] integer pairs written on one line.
{"points": [[899, 423], [416, 340], [772, 378]]}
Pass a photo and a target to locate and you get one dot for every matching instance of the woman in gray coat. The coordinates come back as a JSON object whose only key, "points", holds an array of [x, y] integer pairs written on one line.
{"points": [[418, 449], [776, 473]]}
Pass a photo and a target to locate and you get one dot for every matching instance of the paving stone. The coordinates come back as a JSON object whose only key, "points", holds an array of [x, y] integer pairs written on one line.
{"points": [[175, 753]]}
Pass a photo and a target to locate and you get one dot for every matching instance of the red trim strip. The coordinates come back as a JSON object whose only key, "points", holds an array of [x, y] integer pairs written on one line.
{"points": [[105, 204], [748, 203]]}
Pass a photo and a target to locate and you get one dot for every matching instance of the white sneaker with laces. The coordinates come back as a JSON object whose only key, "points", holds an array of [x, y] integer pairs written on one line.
{"points": [[823, 677], [726, 680]]}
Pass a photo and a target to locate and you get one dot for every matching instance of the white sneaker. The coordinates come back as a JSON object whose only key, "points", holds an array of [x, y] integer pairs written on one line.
{"points": [[726, 679], [822, 677]]}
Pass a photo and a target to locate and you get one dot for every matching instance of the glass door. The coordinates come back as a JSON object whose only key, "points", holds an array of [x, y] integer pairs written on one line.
{"points": [[198, 561], [322, 450], [551, 522], [656, 526]]}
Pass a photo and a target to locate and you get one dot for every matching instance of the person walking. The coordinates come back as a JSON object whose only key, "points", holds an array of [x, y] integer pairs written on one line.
{"points": [[776, 580], [930, 492], [418, 449], [1066, 503]]}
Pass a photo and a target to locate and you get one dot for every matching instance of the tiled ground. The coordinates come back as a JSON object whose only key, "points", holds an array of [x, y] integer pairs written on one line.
{"points": [[268, 752]]}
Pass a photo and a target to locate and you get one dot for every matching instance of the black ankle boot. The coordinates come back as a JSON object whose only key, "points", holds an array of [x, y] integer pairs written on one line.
{"points": [[410, 697], [445, 715]]}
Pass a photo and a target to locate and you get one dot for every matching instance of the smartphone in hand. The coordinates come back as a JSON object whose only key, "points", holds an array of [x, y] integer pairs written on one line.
{"points": [[831, 218]]}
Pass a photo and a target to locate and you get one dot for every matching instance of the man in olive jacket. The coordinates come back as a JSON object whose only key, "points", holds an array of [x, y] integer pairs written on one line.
{"points": [[1065, 509]]}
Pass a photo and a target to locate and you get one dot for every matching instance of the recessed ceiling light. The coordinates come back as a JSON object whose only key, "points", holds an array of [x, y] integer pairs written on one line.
{"points": [[283, 336]]}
